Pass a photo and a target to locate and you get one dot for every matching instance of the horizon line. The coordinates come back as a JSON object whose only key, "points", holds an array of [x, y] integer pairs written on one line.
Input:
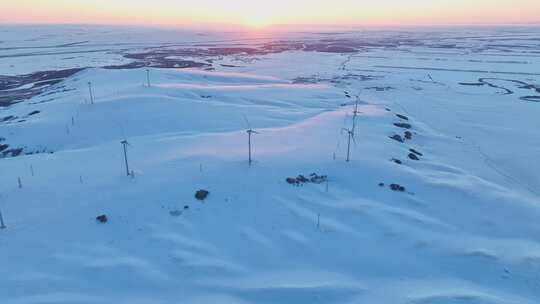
{"points": [[275, 26]]}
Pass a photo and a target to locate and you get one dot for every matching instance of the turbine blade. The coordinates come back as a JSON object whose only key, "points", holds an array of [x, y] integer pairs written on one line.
{"points": [[247, 121]]}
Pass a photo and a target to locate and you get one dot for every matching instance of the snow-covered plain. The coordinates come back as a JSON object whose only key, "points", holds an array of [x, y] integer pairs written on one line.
{"points": [[465, 231]]}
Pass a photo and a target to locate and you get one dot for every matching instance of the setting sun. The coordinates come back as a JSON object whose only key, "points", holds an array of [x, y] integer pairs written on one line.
{"points": [[257, 18], [257, 22]]}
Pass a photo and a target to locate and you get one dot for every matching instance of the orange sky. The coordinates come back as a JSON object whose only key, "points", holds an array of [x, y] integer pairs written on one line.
{"points": [[273, 12]]}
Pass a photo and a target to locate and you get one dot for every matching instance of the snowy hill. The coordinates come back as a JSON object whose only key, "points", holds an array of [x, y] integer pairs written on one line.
{"points": [[464, 229]]}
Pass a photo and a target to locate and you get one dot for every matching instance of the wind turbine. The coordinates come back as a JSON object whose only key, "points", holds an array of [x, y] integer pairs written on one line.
{"points": [[148, 77], [2, 226], [355, 113], [350, 134], [125, 144], [91, 93], [249, 131]]}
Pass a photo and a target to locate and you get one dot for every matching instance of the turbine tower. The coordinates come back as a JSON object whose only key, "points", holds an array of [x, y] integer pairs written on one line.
{"points": [[125, 144], [250, 132], [91, 93]]}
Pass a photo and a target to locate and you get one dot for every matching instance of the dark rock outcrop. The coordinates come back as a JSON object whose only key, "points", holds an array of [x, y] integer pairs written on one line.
{"points": [[402, 117], [301, 179], [416, 152], [397, 188], [201, 195], [413, 156], [408, 135], [397, 137], [102, 218], [403, 125]]}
